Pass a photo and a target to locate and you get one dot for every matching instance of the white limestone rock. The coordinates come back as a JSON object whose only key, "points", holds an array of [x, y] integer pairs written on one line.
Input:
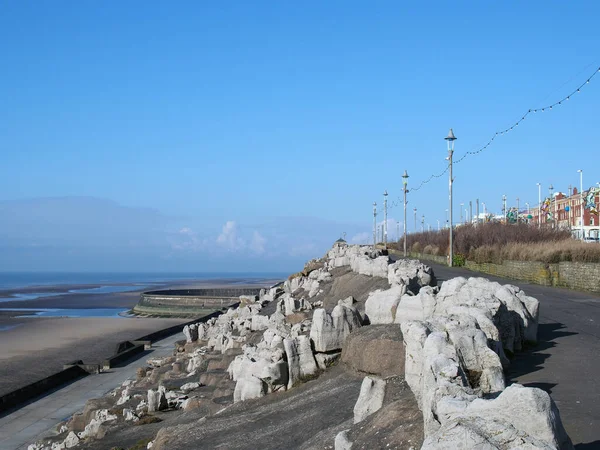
{"points": [[519, 417], [157, 400], [342, 442], [249, 387], [416, 307], [329, 331], [191, 333], [71, 440], [370, 399], [300, 359], [129, 415], [259, 322], [188, 387], [381, 305]]}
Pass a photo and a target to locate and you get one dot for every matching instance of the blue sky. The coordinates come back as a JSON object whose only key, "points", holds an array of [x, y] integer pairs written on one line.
{"points": [[276, 123]]}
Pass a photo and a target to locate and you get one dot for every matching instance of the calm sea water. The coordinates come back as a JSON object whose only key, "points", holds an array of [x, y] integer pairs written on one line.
{"points": [[15, 280]]}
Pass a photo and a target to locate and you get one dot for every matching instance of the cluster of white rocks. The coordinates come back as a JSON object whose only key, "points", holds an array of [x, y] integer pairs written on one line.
{"points": [[455, 340]]}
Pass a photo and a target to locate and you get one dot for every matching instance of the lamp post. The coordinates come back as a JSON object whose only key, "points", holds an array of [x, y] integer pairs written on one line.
{"points": [[450, 140], [374, 224], [539, 205], [504, 208], [397, 232], [415, 211], [466, 215], [461, 208], [484, 212], [438, 221], [581, 195], [385, 194], [423, 223], [471, 211], [527, 205], [404, 190]]}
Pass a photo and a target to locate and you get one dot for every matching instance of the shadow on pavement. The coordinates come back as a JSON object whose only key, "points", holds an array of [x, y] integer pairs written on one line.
{"points": [[589, 446], [532, 358]]}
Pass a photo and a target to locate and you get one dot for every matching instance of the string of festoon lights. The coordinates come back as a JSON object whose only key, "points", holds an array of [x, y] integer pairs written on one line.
{"points": [[498, 133]]}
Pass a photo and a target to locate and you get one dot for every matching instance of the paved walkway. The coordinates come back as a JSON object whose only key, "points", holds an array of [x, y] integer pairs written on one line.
{"points": [[38, 419]]}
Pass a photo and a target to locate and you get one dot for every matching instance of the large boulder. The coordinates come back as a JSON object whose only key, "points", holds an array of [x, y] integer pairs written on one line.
{"points": [[381, 305], [370, 399], [329, 331], [519, 417], [375, 349], [412, 273], [300, 359]]}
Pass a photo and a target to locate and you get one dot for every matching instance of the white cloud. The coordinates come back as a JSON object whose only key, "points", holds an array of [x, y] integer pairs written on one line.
{"points": [[229, 238], [187, 239], [257, 245], [362, 238]]}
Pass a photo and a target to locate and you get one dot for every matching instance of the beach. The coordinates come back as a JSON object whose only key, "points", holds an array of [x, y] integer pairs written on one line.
{"points": [[32, 348]]}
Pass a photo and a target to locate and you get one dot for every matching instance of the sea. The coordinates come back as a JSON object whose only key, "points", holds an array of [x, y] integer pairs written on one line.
{"points": [[102, 283], [16, 280]]}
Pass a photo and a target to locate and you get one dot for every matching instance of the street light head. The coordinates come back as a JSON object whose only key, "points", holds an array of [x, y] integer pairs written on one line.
{"points": [[405, 178], [580, 171], [450, 139], [385, 193]]}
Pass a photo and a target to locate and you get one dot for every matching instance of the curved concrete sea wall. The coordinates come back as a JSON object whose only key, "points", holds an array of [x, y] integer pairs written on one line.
{"points": [[189, 302]]}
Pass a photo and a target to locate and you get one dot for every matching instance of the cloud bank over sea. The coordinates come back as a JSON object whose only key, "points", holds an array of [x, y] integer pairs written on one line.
{"points": [[93, 234]]}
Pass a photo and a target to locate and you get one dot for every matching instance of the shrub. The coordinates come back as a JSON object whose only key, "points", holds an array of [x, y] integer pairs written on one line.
{"points": [[458, 260], [416, 247]]}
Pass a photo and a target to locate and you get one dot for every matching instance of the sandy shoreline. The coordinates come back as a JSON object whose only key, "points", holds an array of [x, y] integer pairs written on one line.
{"points": [[39, 347], [33, 348]]}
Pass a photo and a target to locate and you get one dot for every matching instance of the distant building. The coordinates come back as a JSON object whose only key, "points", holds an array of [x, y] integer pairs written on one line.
{"points": [[568, 218]]}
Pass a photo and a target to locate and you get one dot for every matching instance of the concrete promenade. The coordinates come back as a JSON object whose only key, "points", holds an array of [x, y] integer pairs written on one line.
{"points": [[38, 419]]}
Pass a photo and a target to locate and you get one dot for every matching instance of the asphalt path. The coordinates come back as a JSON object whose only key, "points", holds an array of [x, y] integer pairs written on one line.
{"points": [[566, 361]]}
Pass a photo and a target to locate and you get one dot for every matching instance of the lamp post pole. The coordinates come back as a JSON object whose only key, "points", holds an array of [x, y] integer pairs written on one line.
{"points": [[385, 194], [484, 212], [404, 190], [397, 232], [539, 205], [450, 140], [423, 223], [374, 224], [461, 208], [527, 204], [471, 211], [438, 221], [504, 208], [415, 211], [581, 195], [477, 212]]}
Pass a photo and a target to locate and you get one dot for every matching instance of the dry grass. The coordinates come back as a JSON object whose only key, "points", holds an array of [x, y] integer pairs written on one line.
{"points": [[495, 242]]}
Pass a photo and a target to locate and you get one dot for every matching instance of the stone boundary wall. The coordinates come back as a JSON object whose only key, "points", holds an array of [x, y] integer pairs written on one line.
{"points": [[189, 302], [572, 275]]}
